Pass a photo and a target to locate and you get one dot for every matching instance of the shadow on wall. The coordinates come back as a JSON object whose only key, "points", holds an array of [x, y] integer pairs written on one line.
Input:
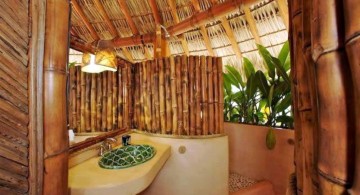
{"points": [[250, 157]]}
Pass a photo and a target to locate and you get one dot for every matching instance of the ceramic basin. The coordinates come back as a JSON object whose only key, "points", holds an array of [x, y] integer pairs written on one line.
{"points": [[127, 156]]}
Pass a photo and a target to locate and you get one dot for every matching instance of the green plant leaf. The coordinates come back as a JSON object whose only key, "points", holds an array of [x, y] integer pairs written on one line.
{"points": [[265, 54], [283, 104], [282, 88], [287, 63], [281, 70], [270, 139], [248, 67], [262, 83], [284, 53], [71, 64], [271, 95], [235, 76], [251, 86], [263, 103], [284, 119], [227, 83]]}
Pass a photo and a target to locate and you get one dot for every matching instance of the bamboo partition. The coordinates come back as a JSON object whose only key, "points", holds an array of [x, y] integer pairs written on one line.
{"points": [[179, 95], [100, 102]]}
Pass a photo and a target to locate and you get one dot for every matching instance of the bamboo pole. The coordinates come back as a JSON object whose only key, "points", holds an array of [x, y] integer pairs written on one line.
{"points": [[221, 95], [72, 101], [78, 99], [192, 108], [147, 79], [87, 103], [152, 95], [120, 98], [93, 102], [109, 101], [204, 96], [142, 97], [162, 96], [178, 64], [98, 102], [114, 100], [145, 96], [126, 95], [130, 96], [156, 96], [104, 101], [168, 99], [137, 97], [173, 96], [82, 108], [210, 91], [217, 88], [185, 94], [198, 126]]}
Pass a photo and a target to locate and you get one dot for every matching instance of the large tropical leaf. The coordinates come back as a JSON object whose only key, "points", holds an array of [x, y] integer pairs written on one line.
{"points": [[280, 69], [265, 54], [235, 76], [283, 104], [287, 64], [284, 53], [271, 95], [251, 86], [248, 67], [262, 83], [281, 88], [227, 83]]}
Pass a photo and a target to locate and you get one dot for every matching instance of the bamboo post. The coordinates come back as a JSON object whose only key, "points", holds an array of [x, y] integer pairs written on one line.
{"points": [[168, 99], [72, 101], [178, 64], [216, 89], [98, 101], [137, 97], [104, 101], [204, 96], [120, 98], [82, 108], [162, 96], [126, 95], [130, 96], [185, 94], [152, 95], [145, 96], [147, 80], [93, 102], [210, 82], [198, 126], [173, 96], [142, 97], [221, 94], [78, 99], [109, 101], [87, 103], [114, 100], [192, 108], [156, 95]]}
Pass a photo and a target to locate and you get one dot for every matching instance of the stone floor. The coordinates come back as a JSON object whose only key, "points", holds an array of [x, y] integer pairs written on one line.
{"points": [[237, 182]]}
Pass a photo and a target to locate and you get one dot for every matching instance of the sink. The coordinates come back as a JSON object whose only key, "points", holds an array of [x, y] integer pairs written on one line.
{"points": [[127, 156]]}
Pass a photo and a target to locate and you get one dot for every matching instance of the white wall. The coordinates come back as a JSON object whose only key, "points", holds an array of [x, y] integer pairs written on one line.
{"points": [[202, 169]]}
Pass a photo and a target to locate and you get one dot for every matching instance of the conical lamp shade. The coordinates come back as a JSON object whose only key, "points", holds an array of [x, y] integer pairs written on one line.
{"points": [[103, 60]]}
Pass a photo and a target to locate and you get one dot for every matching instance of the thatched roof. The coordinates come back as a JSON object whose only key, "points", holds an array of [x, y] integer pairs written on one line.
{"points": [[231, 34]]}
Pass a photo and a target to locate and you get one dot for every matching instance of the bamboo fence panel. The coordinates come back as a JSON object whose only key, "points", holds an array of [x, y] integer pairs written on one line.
{"points": [[198, 90], [209, 66], [217, 88], [162, 97], [185, 94], [173, 96], [178, 64], [192, 107], [204, 96]]}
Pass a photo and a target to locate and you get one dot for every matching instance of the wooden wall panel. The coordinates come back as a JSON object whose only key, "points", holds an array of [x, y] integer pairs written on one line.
{"points": [[14, 101]]}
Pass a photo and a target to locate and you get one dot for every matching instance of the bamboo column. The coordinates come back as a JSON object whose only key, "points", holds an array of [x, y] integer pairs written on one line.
{"points": [[156, 95], [129, 96], [221, 94], [162, 114], [104, 101], [87, 103], [173, 96], [120, 98], [198, 89], [142, 97], [145, 96], [168, 99], [78, 99], [180, 127], [98, 101], [126, 95], [114, 100], [137, 97], [192, 108], [82, 100], [109, 101], [147, 80], [55, 134], [72, 101], [210, 90], [204, 96], [185, 94], [152, 95], [93, 103], [216, 89]]}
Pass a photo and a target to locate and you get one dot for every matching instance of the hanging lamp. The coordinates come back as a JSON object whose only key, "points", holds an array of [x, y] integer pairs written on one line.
{"points": [[103, 60]]}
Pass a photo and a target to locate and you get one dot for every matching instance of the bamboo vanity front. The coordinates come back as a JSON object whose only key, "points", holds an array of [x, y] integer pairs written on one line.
{"points": [[90, 179]]}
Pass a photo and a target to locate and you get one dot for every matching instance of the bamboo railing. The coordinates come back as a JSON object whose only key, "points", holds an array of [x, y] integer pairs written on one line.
{"points": [[100, 102], [179, 95], [326, 92]]}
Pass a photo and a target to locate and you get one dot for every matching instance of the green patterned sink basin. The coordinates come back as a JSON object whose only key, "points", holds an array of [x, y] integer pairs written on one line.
{"points": [[127, 156]]}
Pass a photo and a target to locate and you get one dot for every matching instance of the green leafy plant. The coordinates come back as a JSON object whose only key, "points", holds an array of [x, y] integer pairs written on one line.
{"points": [[265, 97]]}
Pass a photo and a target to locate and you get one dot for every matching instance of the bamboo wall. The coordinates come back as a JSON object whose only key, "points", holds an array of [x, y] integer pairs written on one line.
{"points": [[179, 95], [326, 91], [100, 102], [14, 100]]}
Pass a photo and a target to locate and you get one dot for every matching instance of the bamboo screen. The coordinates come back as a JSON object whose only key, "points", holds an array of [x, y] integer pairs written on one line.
{"points": [[99, 102], [177, 95]]}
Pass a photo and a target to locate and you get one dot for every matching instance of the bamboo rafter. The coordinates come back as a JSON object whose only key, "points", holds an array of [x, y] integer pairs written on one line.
{"points": [[103, 13], [84, 19], [230, 34], [128, 17]]}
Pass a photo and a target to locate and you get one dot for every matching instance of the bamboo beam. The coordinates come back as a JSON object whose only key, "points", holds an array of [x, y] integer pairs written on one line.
{"points": [[284, 12], [103, 13], [196, 5], [173, 10], [231, 37], [184, 44], [206, 38], [155, 11], [128, 17], [134, 40], [85, 20], [252, 24]]}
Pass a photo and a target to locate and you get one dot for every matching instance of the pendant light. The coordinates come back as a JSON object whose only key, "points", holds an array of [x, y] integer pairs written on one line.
{"points": [[103, 60]]}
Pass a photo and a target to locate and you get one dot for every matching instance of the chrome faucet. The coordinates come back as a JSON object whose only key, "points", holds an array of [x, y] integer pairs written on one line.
{"points": [[106, 146]]}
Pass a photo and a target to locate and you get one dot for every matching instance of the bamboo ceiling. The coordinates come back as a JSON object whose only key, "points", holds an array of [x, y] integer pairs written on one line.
{"points": [[224, 28]]}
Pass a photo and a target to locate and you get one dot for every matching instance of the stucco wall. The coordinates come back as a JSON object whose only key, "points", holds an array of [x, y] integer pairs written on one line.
{"points": [[202, 169], [250, 157]]}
